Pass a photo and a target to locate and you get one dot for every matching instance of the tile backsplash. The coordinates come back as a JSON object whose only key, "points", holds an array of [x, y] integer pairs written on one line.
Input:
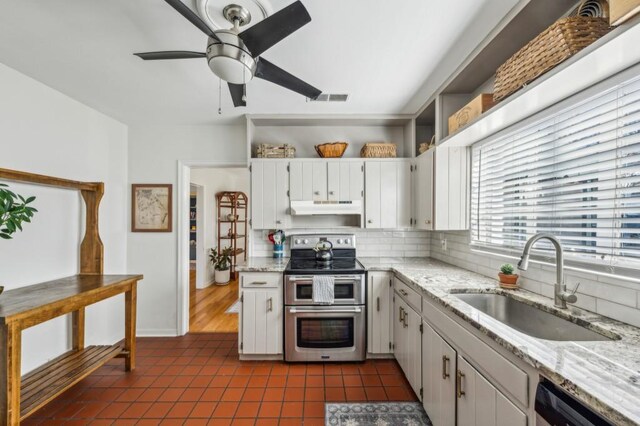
{"points": [[370, 242], [613, 297]]}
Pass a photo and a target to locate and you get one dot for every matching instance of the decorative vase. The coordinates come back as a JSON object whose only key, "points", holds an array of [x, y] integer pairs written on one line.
{"points": [[509, 281], [222, 277], [278, 251]]}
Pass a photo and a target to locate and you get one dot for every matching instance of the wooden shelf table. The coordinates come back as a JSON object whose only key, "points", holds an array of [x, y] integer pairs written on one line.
{"points": [[31, 305]]}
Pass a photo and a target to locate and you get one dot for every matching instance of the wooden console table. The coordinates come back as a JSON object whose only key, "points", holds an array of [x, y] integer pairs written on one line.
{"points": [[25, 307], [28, 306]]}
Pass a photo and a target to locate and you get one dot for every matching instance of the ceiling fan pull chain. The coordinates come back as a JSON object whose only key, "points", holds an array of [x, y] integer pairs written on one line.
{"points": [[219, 96], [244, 87]]}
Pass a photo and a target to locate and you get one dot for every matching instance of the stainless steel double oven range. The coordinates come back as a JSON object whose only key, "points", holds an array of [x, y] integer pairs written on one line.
{"points": [[325, 332]]}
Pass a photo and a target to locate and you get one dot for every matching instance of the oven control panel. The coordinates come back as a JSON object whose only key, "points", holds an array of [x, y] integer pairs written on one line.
{"points": [[309, 241]]}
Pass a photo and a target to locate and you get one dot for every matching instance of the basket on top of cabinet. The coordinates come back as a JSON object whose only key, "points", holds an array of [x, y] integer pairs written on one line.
{"points": [[266, 150]]}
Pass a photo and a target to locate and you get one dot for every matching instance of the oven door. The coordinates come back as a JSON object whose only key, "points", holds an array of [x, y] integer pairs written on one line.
{"points": [[348, 289], [325, 333]]}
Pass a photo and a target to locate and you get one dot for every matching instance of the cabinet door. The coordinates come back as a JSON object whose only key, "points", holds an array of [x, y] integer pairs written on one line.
{"points": [[413, 371], [319, 180], [451, 188], [480, 403], [345, 180], [404, 198], [423, 184], [262, 321], [301, 180], [379, 313], [399, 332], [372, 181], [438, 378], [269, 202], [388, 195]]}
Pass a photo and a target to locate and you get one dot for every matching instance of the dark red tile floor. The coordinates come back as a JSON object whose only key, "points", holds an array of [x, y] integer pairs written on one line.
{"points": [[198, 380]]}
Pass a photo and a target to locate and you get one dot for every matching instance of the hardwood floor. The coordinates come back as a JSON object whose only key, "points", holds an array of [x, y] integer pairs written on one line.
{"points": [[208, 306]]}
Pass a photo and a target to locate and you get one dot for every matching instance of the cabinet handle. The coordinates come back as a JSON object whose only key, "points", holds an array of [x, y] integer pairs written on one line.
{"points": [[316, 192], [270, 304], [378, 304], [445, 361], [331, 192], [427, 222], [459, 377], [278, 222], [258, 283], [405, 320], [404, 293], [370, 221], [401, 319]]}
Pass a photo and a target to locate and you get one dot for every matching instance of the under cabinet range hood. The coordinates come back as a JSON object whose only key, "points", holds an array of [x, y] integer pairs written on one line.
{"points": [[310, 208]]}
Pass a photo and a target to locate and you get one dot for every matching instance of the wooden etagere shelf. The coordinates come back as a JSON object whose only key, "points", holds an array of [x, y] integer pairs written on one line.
{"points": [[25, 307], [232, 232]]}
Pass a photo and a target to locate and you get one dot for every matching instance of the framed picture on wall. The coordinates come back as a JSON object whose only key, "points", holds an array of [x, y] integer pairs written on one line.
{"points": [[151, 207]]}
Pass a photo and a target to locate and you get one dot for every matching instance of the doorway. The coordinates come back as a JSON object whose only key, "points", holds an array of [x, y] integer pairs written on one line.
{"points": [[213, 304]]}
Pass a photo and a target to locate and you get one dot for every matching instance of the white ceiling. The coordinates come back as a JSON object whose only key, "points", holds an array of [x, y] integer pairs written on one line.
{"points": [[379, 51]]}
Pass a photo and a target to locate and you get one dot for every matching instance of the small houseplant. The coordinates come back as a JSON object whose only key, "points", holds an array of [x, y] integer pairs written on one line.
{"points": [[507, 278], [221, 262], [14, 211]]}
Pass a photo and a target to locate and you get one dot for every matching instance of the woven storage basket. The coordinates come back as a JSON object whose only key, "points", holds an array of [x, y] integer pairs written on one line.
{"points": [[266, 150], [557, 43], [378, 150], [332, 149]]}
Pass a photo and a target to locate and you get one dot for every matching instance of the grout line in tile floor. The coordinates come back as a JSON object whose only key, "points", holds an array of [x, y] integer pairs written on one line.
{"points": [[198, 379]]}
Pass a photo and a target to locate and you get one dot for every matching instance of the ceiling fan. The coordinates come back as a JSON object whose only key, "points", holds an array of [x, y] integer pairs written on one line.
{"points": [[234, 56]]}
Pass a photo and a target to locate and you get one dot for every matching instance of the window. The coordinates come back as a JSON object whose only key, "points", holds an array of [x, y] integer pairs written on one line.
{"points": [[575, 174]]}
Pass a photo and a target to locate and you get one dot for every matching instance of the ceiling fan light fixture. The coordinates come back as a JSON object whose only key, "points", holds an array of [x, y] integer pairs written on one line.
{"points": [[229, 60]]}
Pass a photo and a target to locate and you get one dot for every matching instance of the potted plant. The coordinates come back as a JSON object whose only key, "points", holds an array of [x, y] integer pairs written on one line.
{"points": [[221, 265], [507, 278], [14, 210]]}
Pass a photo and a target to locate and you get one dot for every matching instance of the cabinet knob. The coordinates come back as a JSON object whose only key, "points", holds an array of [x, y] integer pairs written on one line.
{"points": [[278, 222], [316, 192], [331, 192], [427, 221], [370, 221]]}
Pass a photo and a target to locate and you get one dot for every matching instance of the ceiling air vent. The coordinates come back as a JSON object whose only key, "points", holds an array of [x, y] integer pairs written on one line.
{"points": [[331, 97]]}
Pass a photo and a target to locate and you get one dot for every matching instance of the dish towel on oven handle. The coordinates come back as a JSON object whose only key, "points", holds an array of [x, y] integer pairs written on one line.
{"points": [[323, 289]]}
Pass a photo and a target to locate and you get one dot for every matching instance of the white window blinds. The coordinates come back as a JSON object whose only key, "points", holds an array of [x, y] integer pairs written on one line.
{"points": [[575, 174]]}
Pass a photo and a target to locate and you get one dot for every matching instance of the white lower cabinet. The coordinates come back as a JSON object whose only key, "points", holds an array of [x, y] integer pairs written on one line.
{"points": [[261, 314], [480, 403], [407, 342], [438, 378], [379, 301]]}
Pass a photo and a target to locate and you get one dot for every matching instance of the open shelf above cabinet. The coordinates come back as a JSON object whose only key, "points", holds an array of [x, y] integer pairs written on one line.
{"points": [[304, 132]]}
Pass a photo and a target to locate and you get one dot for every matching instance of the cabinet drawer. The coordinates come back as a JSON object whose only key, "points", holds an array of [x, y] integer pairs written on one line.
{"points": [[411, 296], [498, 369], [260, 279]]}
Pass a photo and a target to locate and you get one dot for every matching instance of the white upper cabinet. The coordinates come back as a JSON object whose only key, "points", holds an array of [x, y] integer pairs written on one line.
{"points": [[268, 199], [345, 180], [388, 194], [451, 188], [423, 190], [321, 180]]}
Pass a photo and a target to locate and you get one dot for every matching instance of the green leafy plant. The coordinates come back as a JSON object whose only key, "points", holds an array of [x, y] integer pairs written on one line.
{"points": [[220, 261], [507, 269], [14, 211]]}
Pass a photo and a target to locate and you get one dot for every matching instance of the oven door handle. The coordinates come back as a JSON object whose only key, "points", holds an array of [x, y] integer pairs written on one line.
{"points": [[325, 311], [335, 277]]}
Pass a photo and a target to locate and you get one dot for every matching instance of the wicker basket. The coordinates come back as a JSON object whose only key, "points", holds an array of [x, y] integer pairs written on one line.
{"points": [[266, 150], [332, 149], [557, 43], [378, 150]]}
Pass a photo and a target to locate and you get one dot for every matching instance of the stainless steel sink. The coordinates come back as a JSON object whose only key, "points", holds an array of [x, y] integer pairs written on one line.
{"points": [[528, 319]]}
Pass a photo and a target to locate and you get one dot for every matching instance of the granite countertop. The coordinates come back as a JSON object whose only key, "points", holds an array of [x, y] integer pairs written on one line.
{"points": [[262, 264], [604, 375]]}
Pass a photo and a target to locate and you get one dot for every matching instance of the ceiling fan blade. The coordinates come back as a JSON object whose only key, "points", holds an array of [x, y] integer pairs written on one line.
{"points": [[170, 54], [267, 71], [185, 11], [276, 27], [237, 92]]}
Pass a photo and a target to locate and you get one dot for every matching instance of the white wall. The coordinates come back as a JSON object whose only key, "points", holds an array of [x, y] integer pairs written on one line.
{"points": [[214, 180], [46, 132], [154, 152]]}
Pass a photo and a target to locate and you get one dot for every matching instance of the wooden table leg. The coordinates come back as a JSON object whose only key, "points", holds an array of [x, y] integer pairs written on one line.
{"points": [[130, 298], [77, 320], [10, 339]]}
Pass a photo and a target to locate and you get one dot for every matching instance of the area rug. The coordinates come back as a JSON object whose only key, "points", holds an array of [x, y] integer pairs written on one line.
{"points": [[233, 309], [376, 414]]}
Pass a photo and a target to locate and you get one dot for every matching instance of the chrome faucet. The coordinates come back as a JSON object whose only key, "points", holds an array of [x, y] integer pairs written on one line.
{"points": [[561, 295]]}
